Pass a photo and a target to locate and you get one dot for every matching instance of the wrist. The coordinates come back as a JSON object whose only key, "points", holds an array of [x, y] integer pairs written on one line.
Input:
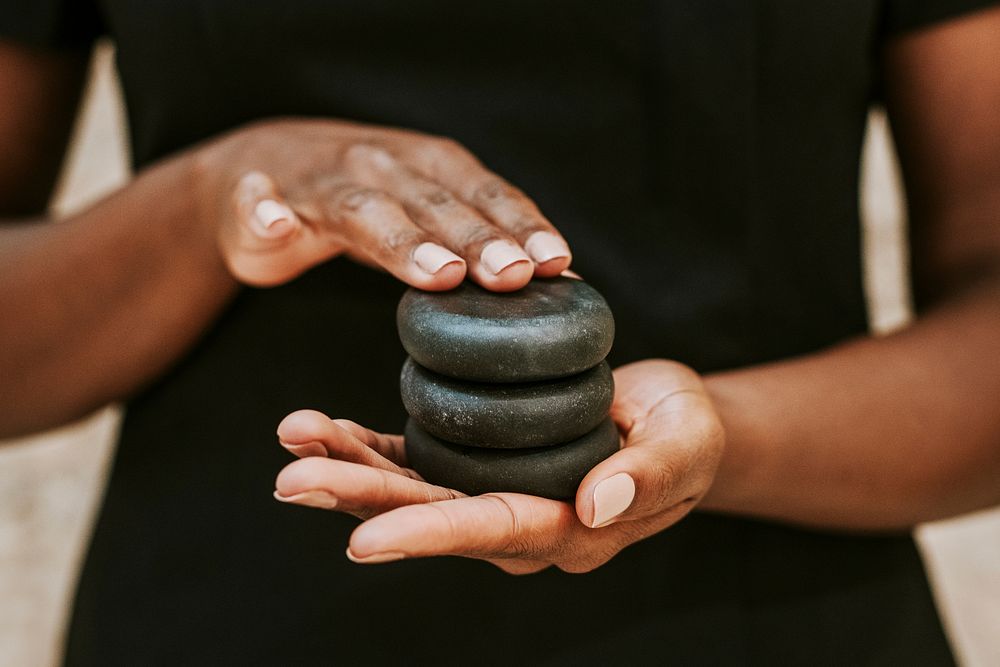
{"points": [[742, 473], [197, 225]]}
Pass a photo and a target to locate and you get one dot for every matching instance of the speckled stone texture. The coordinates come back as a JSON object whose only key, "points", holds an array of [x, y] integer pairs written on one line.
{"points": [[550, 472], [508, 392], [549, 329], [507, 415]]}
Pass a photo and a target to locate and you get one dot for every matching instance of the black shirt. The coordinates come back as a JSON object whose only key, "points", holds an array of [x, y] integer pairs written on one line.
{"points": [[702, 160]]}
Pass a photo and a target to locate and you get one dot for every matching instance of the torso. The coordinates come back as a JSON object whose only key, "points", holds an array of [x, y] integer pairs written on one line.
{"points": [[702, 161]]}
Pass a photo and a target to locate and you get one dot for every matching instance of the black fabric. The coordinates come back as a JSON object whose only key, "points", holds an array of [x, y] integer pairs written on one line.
{"points": [[702, 159], [906, 15], [57, 24]]}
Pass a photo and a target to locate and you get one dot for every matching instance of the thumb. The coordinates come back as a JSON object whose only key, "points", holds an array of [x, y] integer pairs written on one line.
{"points": [[666, 464], [264, 225], [262, 209]]}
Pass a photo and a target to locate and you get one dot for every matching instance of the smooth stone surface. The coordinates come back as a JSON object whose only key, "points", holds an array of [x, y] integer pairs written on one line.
{"points": [[551, 328], [507, 415], [550, 472]]}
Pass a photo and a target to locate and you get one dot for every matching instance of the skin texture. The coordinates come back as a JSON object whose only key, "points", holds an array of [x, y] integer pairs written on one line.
{"points": [[875, 434], [672, 444], [377, 194], [93, 309], [918, 436]]}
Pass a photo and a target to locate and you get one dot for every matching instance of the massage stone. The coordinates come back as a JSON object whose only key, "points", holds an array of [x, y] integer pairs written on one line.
{"points": [[507, 415], [548, 329], [508, 391], [550, 472]]}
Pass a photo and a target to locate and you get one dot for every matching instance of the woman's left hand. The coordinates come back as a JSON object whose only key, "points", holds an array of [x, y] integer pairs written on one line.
{"points": [[673, 441]]}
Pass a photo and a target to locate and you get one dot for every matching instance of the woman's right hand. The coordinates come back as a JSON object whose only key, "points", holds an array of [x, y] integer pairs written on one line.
{"points": [[289, 194]]}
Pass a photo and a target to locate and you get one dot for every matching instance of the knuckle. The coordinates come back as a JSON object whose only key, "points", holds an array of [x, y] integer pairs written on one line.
{"points": [[474, 235], [254, 180], [664, 478], [518, 543], [368, 154], [392, 242], [248, 189], [450, 494], [359, 200], [492, 190], [525, 225], [436, 199]]}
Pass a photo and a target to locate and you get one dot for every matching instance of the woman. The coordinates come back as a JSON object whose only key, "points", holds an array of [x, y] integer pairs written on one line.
{"points": [[701, 159]]}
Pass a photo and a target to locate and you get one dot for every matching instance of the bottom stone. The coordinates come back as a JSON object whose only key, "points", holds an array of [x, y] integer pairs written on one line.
{"points": [[550, 472]]}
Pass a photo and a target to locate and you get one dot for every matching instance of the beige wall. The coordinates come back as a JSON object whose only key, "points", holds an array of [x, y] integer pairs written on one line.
{"points": [[50, 484]]}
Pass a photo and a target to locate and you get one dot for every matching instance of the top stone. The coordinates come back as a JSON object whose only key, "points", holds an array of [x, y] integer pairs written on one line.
{"points": [[549, 329]]}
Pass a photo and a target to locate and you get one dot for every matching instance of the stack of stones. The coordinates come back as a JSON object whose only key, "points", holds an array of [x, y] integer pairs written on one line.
{"points": [[508, 392]]}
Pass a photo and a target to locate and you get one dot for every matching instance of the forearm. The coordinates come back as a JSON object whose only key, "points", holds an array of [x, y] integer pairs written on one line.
{"points": [[877, 433], [97, 305]]}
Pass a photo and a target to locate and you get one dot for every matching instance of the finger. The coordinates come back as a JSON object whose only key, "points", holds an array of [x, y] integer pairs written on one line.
{"points": [[517, 566], [449, 164], [310, 433], [516, 214], [492, 526], [370, 222], [391, 447], [259, 241], [262, 210], [668, 455], [349, 487], [495, 259]]}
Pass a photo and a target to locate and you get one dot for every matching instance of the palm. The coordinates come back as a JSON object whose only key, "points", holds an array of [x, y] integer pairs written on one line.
{"points": [[672, 442]]}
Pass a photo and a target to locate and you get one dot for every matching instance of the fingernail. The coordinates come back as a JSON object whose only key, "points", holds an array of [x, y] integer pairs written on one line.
{"points": [[546, 246], [571, 274], [311, 498], [269, 212], [611, 498], [431, 257], [384, 557], [498, 255]]}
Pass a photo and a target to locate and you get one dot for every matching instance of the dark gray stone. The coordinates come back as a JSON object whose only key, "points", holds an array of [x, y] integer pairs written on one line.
{"points": [[549, 329], [550, 472], [507, 415]]}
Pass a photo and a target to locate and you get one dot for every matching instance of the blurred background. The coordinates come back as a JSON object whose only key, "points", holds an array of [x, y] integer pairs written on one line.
{"points": [[51, 484]]}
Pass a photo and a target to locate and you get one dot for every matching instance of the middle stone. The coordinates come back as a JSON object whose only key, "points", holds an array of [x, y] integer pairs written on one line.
{"points": [[507, 416]]}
